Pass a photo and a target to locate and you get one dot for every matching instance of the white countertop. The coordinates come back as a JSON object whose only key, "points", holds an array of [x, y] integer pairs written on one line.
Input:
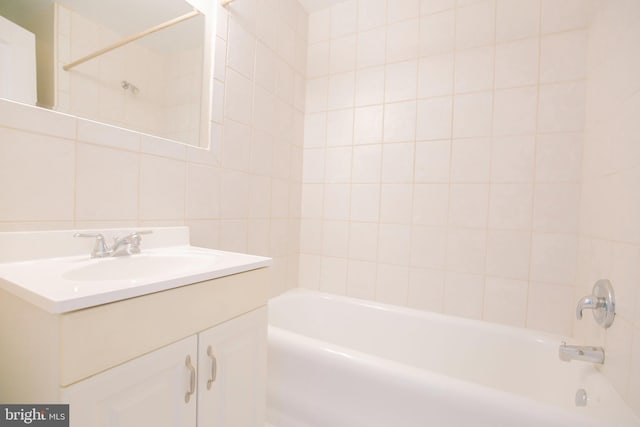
{"points": [[67, 283]]}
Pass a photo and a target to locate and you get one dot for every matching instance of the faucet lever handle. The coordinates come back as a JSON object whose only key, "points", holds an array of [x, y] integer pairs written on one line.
{"points": [[100, 248], [602, 302]]}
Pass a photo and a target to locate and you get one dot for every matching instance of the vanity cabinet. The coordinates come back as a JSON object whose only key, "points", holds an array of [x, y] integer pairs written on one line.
{"points": [[215, 378], [124, 363]]}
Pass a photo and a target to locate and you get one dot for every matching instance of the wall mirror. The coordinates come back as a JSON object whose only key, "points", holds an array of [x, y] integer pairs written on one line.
{"points": [[144, 65]]}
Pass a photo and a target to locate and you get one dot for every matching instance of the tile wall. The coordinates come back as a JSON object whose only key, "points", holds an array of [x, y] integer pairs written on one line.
{"points": [[59, 172], [442, 155], [609, 245]]}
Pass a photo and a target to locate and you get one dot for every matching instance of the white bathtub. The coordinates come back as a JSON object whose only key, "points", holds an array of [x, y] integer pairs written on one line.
{"points": [[337, 361]]}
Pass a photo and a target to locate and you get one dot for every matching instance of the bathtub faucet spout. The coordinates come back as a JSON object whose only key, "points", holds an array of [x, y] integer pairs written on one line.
{"points": [[591, 354]]}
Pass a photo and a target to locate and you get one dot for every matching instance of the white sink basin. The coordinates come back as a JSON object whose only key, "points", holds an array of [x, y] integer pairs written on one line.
{"points": [[68, 283], [141, 266]]}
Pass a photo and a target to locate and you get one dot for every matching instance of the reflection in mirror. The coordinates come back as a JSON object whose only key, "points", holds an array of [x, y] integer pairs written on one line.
{"points": [[153, 84]]}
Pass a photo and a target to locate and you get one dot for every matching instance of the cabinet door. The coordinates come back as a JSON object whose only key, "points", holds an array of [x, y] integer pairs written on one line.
{"points": [[147, 391], [232, 372]]}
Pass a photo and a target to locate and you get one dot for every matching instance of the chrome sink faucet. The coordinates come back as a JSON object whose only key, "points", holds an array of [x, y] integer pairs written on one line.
{"points": [[591, 354], [127, 245]]}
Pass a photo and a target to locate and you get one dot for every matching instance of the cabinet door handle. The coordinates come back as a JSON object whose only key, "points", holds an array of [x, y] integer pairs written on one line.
{"points": [[214, 368], [192, 379]]}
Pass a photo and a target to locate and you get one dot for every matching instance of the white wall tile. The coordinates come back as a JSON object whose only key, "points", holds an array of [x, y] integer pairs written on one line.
{"points": [[432, 6], [561, 107], [101, 194], [555, 207], [367, 127], [510, 206], [505, 301], [336, 201], [471, 160], [242, 48], [400, 81], [41, 170], [428, 247], [512, 159], [475, 24], [317, 60], [463, 294], [313, 166], [363, 241], [333, 275], [309, 275], [392, 284], [320, 26], [564, 15], [426, 289], [432, 160], [517, 19], [434, 118], [339, 128], [365, 202], [472, 115], [399, 10], [311, 236], [469, 205], [312, 200], [400, 121], [474, 69], [514, 111], [338, 164], [508, 254], [315, 130], [361, 279], [371, 48], [370, 86], [344, 18], [517, 63], [162, 188], [553, 258], [341, 91], [371, 14], [395, 203], [437, 33], [435, 76], [238, 97], [343, 54], [402, 41], [550, 308], [397, 162], [335, 238], [431, 204], [367, 164], [394, 244], [316, 95], [466, 250], [563, 57]]}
